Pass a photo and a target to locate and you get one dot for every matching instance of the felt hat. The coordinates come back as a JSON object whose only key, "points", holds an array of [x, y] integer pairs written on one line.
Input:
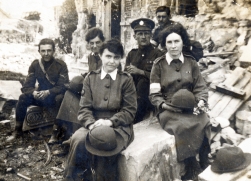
{"points": [[230, 159], [76, 84], [143, 24], [183, 99], [104, 141]]}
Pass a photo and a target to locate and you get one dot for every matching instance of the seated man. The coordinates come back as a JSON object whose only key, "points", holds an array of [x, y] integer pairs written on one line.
{"points": [[139, 63], [70, 104], [51, 75]]}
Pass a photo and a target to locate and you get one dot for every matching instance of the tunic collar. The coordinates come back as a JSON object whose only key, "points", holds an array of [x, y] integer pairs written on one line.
{"points": [[113, 74], [169, 59]]}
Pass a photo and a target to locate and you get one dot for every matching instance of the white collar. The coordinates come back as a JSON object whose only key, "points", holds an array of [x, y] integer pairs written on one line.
{"points": [[113, 74], [169, 59]]}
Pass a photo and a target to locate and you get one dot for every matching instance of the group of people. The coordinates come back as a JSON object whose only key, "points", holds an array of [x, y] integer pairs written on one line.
{"points": [[107, 101]]}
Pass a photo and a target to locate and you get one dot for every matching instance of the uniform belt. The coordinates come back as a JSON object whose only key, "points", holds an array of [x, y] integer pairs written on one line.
{"points": [[104, 114]]}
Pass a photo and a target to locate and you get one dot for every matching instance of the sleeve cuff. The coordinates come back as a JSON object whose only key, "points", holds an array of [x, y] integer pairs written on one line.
{"points": [[115, 122], [88, 123]]}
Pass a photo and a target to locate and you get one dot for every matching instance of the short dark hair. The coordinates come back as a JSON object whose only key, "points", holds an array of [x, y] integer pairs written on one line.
{"points": [[94, 32], [163, 9], [113, 46], [174, 28], [46, 41]]}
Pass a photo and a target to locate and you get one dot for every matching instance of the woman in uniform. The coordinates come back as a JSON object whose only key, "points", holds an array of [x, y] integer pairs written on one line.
{"points": [[176, 88], [107, 109]]}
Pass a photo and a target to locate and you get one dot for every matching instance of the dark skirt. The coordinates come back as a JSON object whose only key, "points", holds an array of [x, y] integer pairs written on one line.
{"points": [[69, 108], [188, 129]]}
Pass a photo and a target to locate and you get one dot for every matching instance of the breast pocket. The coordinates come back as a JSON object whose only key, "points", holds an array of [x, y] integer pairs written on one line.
{"points": [[148, 65]]}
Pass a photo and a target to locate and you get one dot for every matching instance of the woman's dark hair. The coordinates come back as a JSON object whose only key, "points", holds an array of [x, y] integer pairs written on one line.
{"points": [[46, 41], [94, 32], [174, 28], [113, 46], [163, 9]]}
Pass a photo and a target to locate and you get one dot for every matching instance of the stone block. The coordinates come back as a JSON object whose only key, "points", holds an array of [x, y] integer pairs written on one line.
{"points": [[151, 156], [209, 175], [7, 92]]}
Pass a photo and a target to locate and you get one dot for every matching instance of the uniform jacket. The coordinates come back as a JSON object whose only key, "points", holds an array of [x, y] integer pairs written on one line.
{"points": [[57, 73], [170, 79], [109, 99], [188, 128], [143, 59], [94, 62]]}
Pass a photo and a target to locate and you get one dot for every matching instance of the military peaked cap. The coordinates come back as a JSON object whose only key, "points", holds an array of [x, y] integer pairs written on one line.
{"points": [[143, 24]]}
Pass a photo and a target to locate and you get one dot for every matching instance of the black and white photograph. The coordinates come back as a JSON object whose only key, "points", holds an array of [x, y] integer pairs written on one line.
{"points": [[125, 90]]}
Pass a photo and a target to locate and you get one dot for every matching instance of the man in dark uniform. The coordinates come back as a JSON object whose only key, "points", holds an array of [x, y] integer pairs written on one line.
{"points": [[139, 63], [163, 17], [51, 75]]}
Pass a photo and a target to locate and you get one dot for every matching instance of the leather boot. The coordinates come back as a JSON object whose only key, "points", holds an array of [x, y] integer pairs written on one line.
{"points": [[192, 169], [54, 135], [16, 134]]}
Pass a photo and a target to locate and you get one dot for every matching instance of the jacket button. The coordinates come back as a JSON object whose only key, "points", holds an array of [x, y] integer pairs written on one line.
{"points": [[105, 98], [177, 70], [178, 80], [107, 86]]}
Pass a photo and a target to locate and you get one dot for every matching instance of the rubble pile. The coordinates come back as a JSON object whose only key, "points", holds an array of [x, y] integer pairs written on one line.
{"points": [[221, 26]]}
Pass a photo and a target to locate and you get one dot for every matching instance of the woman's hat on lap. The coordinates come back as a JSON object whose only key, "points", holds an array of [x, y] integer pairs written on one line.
{"points": [[230, 159], [183, 99], [104, 141]]}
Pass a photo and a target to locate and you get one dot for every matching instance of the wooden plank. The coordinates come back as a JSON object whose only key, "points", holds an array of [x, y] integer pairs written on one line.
{"points": [[231, 108], [220, 106], [230, 90], [235, 76], [214, 99], [235, 103]]}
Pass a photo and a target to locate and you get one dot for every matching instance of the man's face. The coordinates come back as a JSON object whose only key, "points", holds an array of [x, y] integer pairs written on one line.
{"points": [[143, 37], [162, 18], [110, 60], [46, 52], [95, 44]]}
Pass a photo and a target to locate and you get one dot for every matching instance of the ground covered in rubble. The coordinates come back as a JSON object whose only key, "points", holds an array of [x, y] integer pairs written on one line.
{"points": [[30, 157]]}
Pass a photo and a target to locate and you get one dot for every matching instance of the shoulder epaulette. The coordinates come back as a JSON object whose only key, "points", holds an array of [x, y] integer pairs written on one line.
{"points": [[124, 73], [190, 56], [60, 61], [158, 59]]}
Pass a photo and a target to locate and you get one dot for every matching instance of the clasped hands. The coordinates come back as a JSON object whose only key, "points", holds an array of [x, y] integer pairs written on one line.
{"points": [[134, 70], [41, 95], [100, 122]]}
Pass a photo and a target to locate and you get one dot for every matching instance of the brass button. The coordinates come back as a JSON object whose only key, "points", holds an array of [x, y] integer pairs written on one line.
{"points": [[105, 98], [107, 86]]}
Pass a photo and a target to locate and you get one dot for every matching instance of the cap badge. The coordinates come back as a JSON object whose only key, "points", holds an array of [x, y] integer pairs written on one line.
{"points": [[141, 22]]}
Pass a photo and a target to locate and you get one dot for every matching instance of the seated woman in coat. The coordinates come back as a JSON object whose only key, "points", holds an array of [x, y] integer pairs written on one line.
{"points": [[107, 109], [176, 88]]}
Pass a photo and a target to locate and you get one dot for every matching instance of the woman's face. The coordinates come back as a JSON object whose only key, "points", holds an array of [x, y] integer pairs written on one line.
{"points": [[110, 61], [174, 45]]}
